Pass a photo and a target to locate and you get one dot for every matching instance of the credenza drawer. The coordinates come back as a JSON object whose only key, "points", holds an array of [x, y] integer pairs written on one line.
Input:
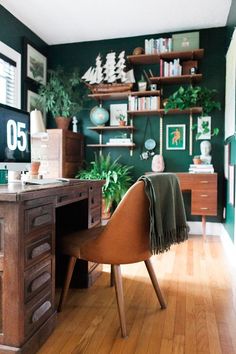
{"points": [[38, 249], [204, 202], [37, 278], [37, 312], [195, 181], [71, 195]]}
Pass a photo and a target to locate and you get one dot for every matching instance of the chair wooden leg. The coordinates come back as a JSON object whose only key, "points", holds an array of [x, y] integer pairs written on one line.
{"points": [[66, 284], [155, 284], [112, 276], [120, 298]]}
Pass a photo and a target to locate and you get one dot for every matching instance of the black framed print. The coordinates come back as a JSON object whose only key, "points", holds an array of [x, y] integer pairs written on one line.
{"points": [[36, 64]]}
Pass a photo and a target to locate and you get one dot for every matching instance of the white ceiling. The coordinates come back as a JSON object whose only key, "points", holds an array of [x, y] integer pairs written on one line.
{"points": [[60, 21]]}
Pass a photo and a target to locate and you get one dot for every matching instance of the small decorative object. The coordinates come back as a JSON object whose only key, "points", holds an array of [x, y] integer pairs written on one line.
{"points": [[142, 84], [175, 137], [158, 164], [99, 115], [153, 87], [74, 124], [150, 144], [197, 160], [34, 168], [205, 148], [3, 176], [118, 114], [138, 51], [110, 77], [36, 64]]}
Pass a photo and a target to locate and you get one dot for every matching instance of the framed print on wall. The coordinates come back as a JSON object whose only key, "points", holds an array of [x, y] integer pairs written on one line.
{"points": [[33, 103], [36, 65], [117, 110], [175, 137]]}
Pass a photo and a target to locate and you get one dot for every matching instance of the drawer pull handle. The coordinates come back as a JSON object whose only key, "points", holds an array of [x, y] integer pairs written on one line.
{"points": [[41, 311], [204, 182], [42, 219], [204, 195], [37, 251], [62, 198], [204, 208], [39, 281]]}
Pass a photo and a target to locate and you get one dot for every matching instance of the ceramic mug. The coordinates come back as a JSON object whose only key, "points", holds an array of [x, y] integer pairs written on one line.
{"points": [[3, 176]]}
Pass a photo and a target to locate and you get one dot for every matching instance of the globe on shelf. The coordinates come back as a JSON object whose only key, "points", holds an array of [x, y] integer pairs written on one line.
{"points": [[99, 115]]}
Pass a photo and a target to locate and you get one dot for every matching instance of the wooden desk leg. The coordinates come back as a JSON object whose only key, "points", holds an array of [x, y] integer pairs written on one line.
{"points": [[204, 227]]}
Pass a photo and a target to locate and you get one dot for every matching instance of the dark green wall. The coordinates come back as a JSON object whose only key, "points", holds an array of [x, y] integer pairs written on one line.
{"points": [[212, 66], [230, 210], [12, 32]]}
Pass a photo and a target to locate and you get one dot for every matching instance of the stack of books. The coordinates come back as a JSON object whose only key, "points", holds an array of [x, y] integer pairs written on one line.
{"points": [[201, 168], [119, 141]]}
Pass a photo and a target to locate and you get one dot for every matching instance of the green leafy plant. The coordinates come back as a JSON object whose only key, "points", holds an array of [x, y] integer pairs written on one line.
{"points": [[116, 176], [63, 93], [189, 97]]}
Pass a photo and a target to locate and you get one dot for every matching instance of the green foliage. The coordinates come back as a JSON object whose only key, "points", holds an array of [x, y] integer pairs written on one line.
{"points": [[116, 176], [63, 93], [197, 96]]}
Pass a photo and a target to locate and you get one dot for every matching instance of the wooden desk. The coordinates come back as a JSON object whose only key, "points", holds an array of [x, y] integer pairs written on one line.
{"points": [[27, 256], [203, 188]]}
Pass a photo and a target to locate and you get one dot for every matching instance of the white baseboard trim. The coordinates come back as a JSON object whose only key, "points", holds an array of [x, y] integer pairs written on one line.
{"points": [[229, 246], [212, 228]]}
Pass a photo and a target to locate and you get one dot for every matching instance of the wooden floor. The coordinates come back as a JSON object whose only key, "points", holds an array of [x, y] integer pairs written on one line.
{"points": [[199, 285]]}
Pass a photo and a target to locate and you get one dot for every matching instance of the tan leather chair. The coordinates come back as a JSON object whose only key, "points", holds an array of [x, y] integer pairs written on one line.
{"points": [[125, 239]]}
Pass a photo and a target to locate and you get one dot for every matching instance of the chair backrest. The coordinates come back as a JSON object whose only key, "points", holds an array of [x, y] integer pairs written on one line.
{"points": [[125, 238]]}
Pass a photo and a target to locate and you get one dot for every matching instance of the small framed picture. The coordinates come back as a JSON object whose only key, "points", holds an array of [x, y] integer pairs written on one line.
{"points": [[118, 113], [175, 137], [204, 128], [33, 103], [36, 64]]}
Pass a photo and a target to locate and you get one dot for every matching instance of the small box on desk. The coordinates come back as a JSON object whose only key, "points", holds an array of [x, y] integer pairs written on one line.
{"points": [[185, 41]]}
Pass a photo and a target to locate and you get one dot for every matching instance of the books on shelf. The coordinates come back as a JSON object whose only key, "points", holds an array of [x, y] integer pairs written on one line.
{"points": [[201, 168], [119, 141], [172, 68], [144, 103], [156, 46]]}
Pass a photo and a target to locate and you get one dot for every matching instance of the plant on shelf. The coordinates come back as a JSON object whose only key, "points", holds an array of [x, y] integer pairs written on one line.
{"points": [[121, 119], [189, 97], [62, 95], [116, 176]]}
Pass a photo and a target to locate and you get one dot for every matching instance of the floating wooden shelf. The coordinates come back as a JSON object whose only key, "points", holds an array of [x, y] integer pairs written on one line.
{"points": [[155, 58], [111, 145], [114, 127], [161, 112], [145, 93], [166, 80], [109, 96]]}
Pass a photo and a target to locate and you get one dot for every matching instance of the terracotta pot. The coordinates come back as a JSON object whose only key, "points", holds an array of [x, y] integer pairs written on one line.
{"points": [[197, 161], [34, 167], [62, 122], [106, 212], [122, 123]]}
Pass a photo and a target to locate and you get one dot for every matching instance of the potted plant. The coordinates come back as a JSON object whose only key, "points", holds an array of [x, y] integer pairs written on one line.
{"points": [[61, 96], [142, 84], [116, 176], [185, 98], [121, 119]]}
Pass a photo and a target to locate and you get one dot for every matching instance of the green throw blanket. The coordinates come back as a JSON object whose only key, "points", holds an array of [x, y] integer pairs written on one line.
{"points": [[167, 214]]}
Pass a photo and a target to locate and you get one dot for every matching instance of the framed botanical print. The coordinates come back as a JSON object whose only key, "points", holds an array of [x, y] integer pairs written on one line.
{"points": [[175, 137], [33, 103], [36, 64]]}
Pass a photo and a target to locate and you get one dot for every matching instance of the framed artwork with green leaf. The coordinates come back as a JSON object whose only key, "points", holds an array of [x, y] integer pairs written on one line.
{"points": [[175, 137]]}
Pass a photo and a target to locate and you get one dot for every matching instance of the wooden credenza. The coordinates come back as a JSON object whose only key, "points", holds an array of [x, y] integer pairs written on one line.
{"points": [[28, 222], [61, 153], [203, 188]]}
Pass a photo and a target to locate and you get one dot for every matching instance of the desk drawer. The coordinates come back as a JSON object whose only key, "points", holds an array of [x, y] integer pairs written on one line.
{"points": [[38, 278], [201, 181], [204, 202], [71, 195], [38, 249], [38, 217], [94, 197], [94, 217], [37, 312]]}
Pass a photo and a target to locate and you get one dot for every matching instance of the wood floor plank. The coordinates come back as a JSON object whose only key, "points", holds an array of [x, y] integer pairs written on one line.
{"points": [[199, 285]]}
